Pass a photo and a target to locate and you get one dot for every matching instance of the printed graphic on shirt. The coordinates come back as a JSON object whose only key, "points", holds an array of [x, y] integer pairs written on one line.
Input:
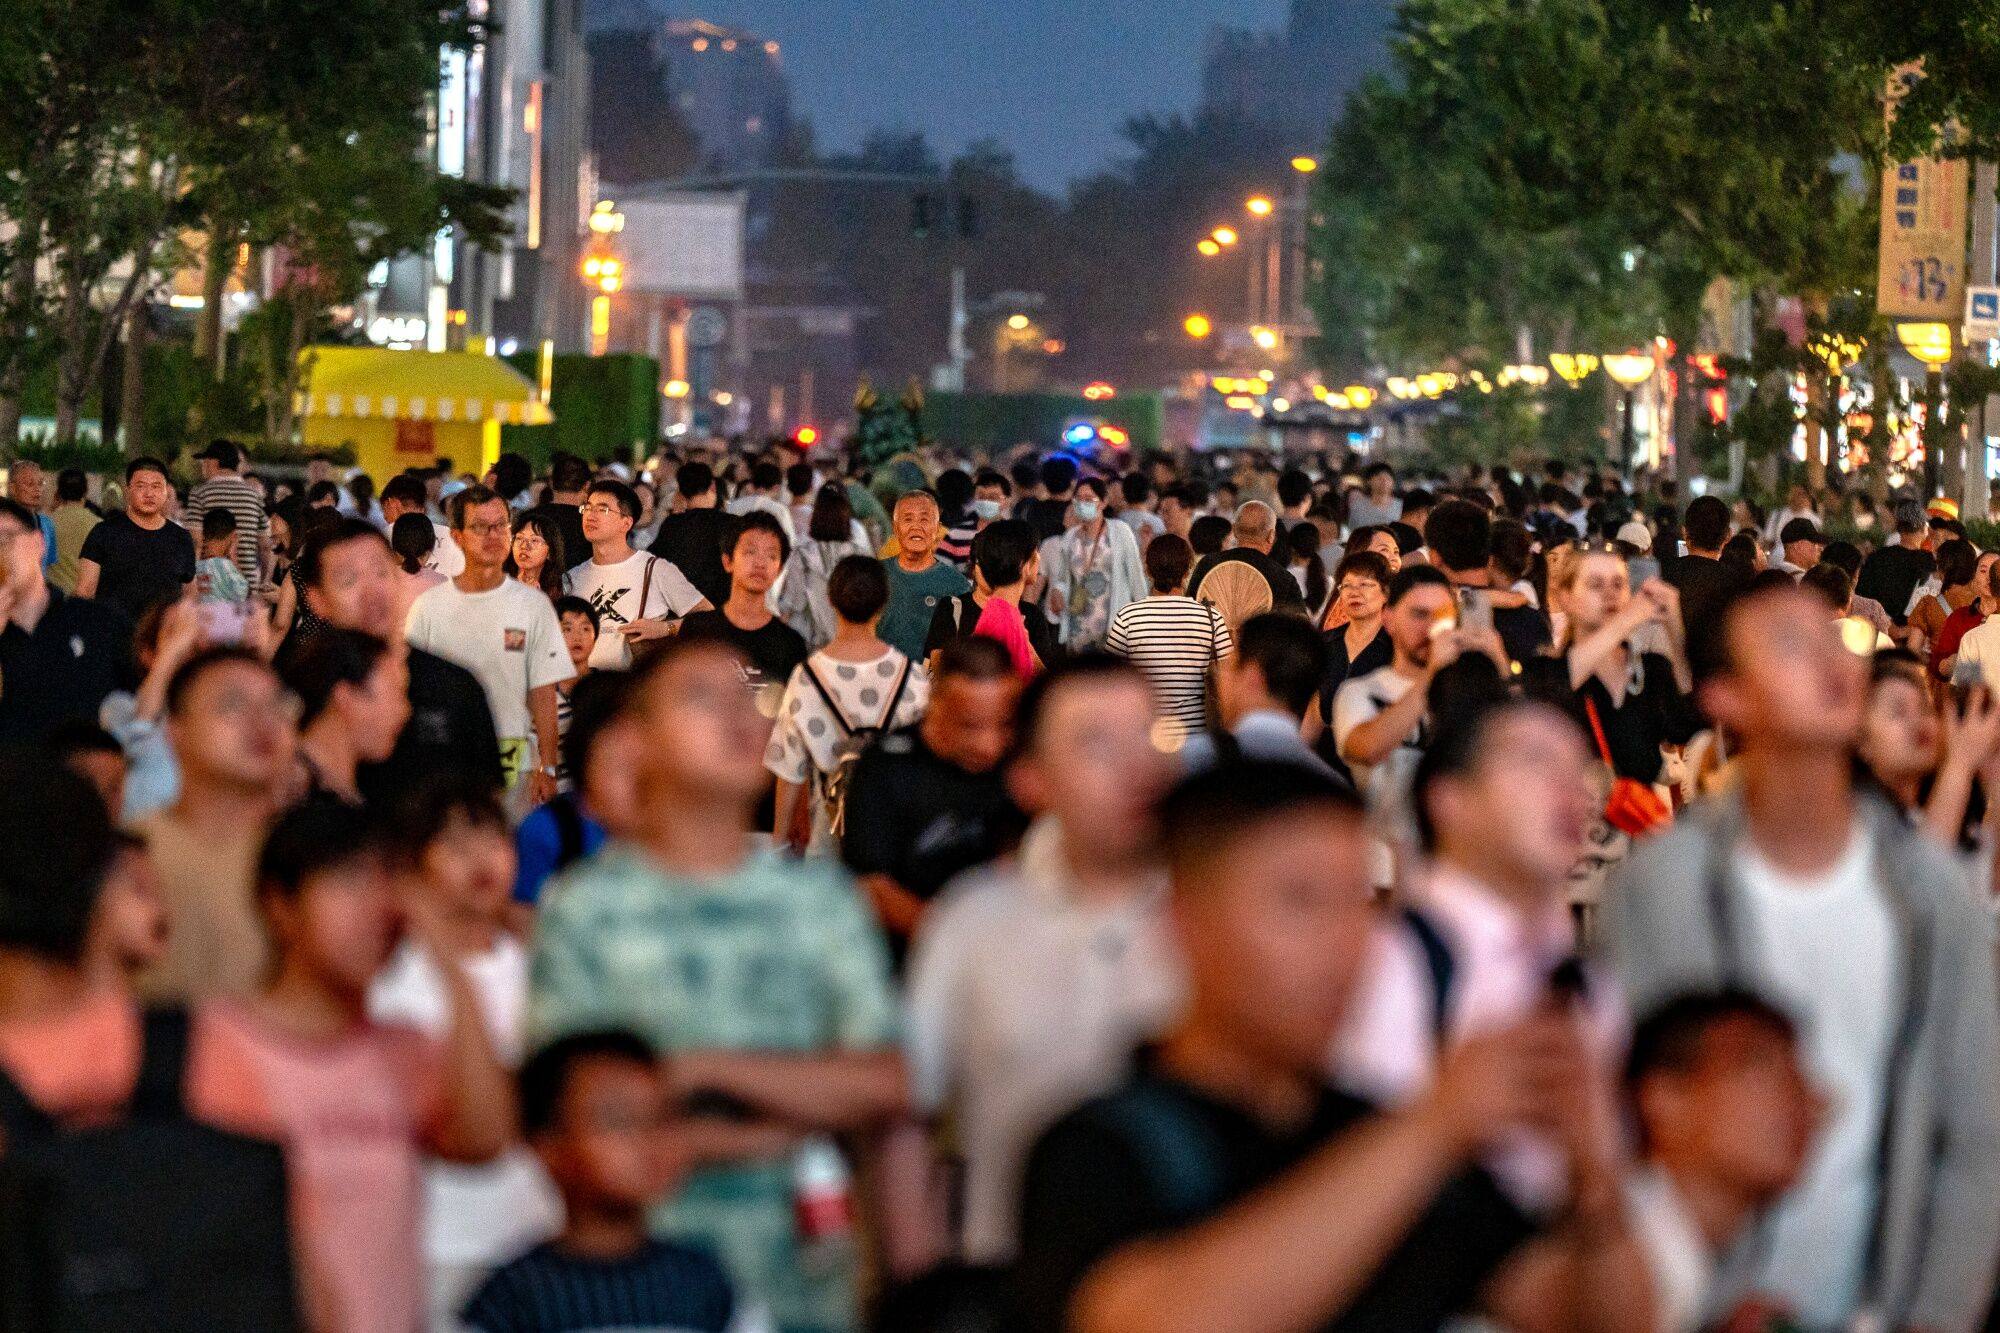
{"points": [[517, 640]]}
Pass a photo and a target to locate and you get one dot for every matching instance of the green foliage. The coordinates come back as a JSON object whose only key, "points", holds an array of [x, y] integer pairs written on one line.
{"points": [[607, 407], [885, 430]]}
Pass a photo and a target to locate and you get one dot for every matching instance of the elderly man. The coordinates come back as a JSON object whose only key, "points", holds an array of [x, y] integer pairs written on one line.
{"points": [[24, 487], [1252, 536]]}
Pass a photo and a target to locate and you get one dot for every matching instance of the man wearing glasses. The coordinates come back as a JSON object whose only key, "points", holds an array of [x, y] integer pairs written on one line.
{"points": [[59, 656], [639, 598], [506, 634]]}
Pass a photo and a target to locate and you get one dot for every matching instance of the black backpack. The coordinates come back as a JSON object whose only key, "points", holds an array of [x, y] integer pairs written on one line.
{"points": [[151, 1224]]}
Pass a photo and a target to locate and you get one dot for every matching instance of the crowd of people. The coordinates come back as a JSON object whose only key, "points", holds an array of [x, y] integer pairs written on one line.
{"points": [[1050, 893]]}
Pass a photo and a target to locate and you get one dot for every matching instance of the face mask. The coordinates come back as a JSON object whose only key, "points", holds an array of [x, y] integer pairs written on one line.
{"points": [[986, 509], [1086, 511]]}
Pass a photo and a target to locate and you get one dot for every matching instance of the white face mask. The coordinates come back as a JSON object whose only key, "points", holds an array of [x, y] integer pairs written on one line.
{"points": [[986, 509], [1086, 511]]}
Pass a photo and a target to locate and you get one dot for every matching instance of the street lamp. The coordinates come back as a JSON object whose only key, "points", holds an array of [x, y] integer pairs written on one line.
{"points": [[1198, 326], [1017, 322], [1929, 343], [1259, 205], [1225, 236], [1305, 166], [1630, 369], [1208, 246], [1264, 338]]}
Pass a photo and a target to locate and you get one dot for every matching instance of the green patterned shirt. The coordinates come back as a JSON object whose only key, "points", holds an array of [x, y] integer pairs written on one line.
{"points": [[778, 955]]}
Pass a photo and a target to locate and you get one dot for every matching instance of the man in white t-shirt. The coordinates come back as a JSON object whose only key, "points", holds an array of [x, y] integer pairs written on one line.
{"points": [[638, 597], [506, 634]]}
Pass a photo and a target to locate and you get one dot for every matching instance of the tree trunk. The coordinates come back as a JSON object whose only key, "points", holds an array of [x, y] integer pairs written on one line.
{"points": [[217, 254], [16, 302], [1950, 436], [133, 412], [1883, 381], [1816, 431]]}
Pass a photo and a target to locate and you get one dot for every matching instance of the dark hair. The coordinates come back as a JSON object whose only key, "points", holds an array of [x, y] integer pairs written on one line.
{"points": [[323, 490], [799, 479], [1208, 534], [1740, 550], [1408, 540], [550, 580], [1669, 1038], [1082, 668], [1957, 562], [626, 497], [548, 1072], [310, 567], [1477, 700], [1058, 474], [329, 659], [407, 489], [1512, 549], [1169, 559], [1377, 469], [1095, 484], [832, 515], [1412, 577], [224, 453], [567, 472], [988, 477], [1289, 653], [313, 838], [217, 523], [766, 475], [1002, 549], [512, 474], [362, 487], [1190, 495], [973, 658], [1302, 543], [71, 485], [1460, 534], [1844, 554], [138, 465], [1360, 561], [954, 489], [692, 479], [413, 539], [758, 520], [1830, 582], [183, 681], [79, 736], [595, 702], [1294, 487], [1209, 814], [1136, 488], [60, 841], [858, 588], [567, 605], [1416, 500], [471, 498], [1799, 530], [1025, 474], [1910, 518], [422, 814], [1707, 524]]}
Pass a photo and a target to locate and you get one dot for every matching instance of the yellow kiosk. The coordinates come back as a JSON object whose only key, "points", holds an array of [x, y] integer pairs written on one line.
{"points": [[407, 409]]}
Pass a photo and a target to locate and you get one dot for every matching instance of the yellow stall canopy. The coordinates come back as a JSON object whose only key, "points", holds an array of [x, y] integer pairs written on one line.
{"points": [[409, 409]]}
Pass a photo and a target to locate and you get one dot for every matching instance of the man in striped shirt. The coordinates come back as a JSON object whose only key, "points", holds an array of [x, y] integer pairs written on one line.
{"points": [[1174, 639], [223, 486]]}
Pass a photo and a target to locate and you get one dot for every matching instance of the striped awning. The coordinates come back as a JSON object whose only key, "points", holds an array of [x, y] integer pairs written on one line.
{"points": [[376, 383]]}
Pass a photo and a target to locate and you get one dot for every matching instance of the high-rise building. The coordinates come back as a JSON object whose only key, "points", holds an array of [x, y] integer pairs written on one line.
{"points": [[1297, 79], [726, 85]]}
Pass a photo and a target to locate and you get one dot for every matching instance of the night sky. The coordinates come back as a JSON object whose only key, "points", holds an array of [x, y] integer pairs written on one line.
{"points": [[1053, 79]]}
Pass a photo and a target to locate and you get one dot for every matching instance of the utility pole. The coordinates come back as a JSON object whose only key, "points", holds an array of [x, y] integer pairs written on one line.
{"points": [[1978, 498]]}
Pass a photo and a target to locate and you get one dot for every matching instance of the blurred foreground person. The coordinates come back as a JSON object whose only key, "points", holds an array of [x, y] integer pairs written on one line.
{"points": [[1224, 1186], [1827, 900]]}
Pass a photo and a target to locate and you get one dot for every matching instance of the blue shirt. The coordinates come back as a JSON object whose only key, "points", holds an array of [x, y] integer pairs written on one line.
{"points": [[913, 600], [664, 1287], [48, 527], [538, 847]]}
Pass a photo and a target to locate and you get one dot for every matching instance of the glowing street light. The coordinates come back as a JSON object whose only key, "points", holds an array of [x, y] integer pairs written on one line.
{"points": [[1630, 369], [1209, 246], [1928, 343], [1264, 338], [1360, 396], [1259, 205], [1017, 322], [1198, 326], [1305, 166], [1225, 236], [676, 388]]}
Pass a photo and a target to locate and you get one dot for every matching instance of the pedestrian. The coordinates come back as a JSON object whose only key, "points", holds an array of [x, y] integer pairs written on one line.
{"points": [[25, 482], [72, 521], [1958, 587], [639, 597], [1093, 570], [1825, 899], [599, 1119], [537, 557], [1176, 641], [1049, 512], [1224, 1184], [1032, 980], [1894, 570], [1376, 505], [764, 492], [1799, 545], [60, 656], [506, 635], [930, 801], [1263, 693], [1004, 565], [774, 650], [578, 619], [1254, 535], [224, 487], [138, 556], [454, 853], [918, 580], [598, 759], [760, 978], [954, 492], [1360, 644], [355, 1103], [569, 478], [691, 537], [354, 699], [839, 699], [407, 495], [832, 534], [1459, 535], [233, 727]]}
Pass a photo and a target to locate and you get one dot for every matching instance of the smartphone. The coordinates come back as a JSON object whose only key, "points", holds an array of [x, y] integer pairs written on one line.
{"points": [[1476, 617]]}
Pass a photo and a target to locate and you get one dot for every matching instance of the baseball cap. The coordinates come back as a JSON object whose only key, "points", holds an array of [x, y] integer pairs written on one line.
{"points": [[1799, 530], [1944, 507], [1636, 534], [222, 452]]}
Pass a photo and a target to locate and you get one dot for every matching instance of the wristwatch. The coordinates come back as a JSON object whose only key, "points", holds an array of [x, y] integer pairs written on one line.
{"points": [[549, 771]]}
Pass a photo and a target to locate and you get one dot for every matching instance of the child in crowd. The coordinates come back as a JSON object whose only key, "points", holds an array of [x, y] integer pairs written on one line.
{"points": [[225, 593], [597, 1113], [580, 624], [458, 857], [356, 1103]]}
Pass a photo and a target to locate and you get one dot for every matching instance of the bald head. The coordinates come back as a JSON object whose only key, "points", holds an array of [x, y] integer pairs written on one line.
{"points": [[1256, 526]]}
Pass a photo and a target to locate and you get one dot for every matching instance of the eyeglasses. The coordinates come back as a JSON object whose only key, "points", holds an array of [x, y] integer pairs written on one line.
{"points": [[485, 529], [603, 511]]}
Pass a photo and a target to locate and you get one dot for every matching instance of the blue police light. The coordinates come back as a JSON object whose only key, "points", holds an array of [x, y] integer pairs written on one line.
{"points": [[1081, 433]]}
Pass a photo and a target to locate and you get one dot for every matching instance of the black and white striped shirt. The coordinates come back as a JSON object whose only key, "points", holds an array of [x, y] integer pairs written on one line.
{"points": [[241, 498], [1174, 640]]}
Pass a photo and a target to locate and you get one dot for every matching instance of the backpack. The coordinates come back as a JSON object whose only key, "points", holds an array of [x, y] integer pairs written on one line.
{"points": [[834, 785], [155, 1223]]}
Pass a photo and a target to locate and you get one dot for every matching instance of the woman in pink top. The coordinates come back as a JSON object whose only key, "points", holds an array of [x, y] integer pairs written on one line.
{"points": [[356, 1104]]}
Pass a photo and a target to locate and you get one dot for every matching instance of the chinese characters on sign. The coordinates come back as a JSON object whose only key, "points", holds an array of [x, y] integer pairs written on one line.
{"points": [[1922, 275]]}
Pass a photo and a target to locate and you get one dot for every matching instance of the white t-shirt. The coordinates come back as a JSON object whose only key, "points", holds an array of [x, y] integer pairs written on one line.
{"points": [[1362, 700], [1826, 949], [1979, 656], [474, 1215], [509, 639], [445, 557], [1676, 1253], [615, 590]]}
